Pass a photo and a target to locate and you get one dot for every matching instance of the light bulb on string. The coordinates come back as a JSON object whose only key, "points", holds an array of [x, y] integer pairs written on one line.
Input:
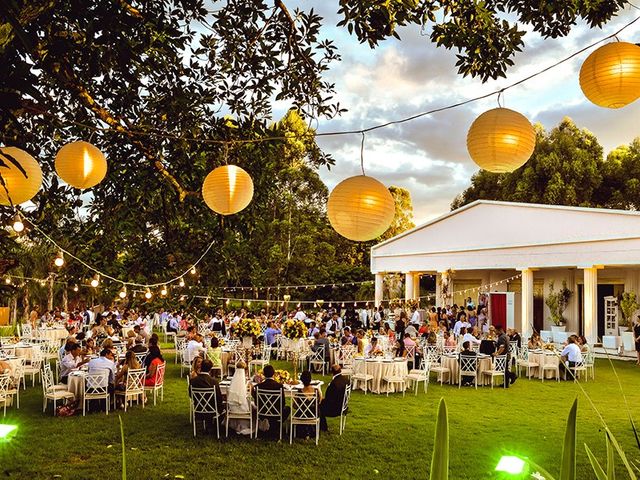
{"points": [[164, 291], [193, 270], [181, 282], [7, 280], [59, 261], [95, 281], [227, 302], [75, 288], [123, 292], [342, 304], [18, 225], [206, 301], [148, 294]]}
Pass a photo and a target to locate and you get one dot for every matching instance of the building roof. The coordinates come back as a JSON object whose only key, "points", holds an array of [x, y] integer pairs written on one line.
{"points": [[511, 235]]}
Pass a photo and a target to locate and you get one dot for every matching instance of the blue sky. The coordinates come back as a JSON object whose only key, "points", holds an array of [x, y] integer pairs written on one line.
{"points": [[428, 156]]}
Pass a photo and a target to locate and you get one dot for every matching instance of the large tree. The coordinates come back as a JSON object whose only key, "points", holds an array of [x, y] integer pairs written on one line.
{"points": [[157, 85]]}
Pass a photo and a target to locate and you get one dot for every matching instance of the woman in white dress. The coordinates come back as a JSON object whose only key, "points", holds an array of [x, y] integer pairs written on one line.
{"points": [[238, 400]]}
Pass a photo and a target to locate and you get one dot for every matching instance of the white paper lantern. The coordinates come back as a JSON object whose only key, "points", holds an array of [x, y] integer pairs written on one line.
{"points": [[227, 190], [501, 140], [360, 208], [81, 164], [21, 188]]}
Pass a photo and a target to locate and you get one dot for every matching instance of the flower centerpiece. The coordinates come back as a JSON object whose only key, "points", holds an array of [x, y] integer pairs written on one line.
{"points": [[549, 346], [294, 329], [247, 329], [282, 376]]}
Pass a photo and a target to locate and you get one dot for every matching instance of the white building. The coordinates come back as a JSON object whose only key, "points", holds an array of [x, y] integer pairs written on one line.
{"points": [[596, 251]]}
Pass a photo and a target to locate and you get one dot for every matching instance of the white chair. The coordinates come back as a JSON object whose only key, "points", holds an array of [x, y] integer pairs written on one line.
{"points": [[468, 368], [261, 360], [168, 334], [410, 355], [134, 387], [576, 370], [498, 369], [420, 374], [204, 402], [590, 364], [180, 345], [524, 362], [450, 349], [27, 331], [5, 381], [96, 387], [141, 357], [435, 359], [360, 373], [51, 393], [17, 375], [33, 368], [317, 358], [550, 366], [158, 383], [239, 416], [185, 362], [345, 358], [57, 386], [304, 411], [270, 405], [345, 408]]}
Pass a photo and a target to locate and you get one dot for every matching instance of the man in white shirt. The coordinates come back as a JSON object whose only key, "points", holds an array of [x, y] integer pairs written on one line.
{"points": [[415, 318], [194, 347], [71, 361], [462, 322], [300, 315], [106, 361], [470, 336], [571, 355]]}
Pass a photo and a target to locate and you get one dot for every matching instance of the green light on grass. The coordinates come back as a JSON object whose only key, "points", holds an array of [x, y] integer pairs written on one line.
{"points": [[511, 465], [6, 431]]}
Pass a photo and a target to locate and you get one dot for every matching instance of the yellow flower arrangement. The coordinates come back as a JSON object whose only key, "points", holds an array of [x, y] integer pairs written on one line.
{"points": [[294, 329], [247, 327], [282, 376]]}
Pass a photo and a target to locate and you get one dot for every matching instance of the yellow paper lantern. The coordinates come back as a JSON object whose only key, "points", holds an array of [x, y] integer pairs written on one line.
{"points": [[360, 208], [610, 76], [227, 189], [81, 165], [501, 140], [20, 188]]}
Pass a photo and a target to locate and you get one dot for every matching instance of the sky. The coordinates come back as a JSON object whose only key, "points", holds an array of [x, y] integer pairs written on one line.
{"points": [[428, 156]]}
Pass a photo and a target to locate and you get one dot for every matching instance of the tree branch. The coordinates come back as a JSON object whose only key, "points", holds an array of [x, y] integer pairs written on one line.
{"points": [[134, 12]]}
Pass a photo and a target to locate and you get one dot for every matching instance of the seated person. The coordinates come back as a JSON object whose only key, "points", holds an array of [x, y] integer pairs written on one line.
{"points": [[141, 334], [214, 352], [138, 346], [449, 340], [130, 362], [196, 367], [471, 336], [151, 362], [71, 361], [467, 353], [238, 400], [311, 393], [571, 355], [373, 349], [323, 341], [270, 385], [331, 406], [488, 347], [205, 380], [411, 330], [106, 361], [535, 342]]}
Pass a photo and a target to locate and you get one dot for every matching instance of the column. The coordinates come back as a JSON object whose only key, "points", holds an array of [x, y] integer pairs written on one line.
{"points": [[527, 302], [438, 302], [416, 285], [408, 285], [379, 283], [590, 300]]}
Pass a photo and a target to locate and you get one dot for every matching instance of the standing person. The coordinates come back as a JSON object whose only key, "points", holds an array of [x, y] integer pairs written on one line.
{"points": [[502, 348], [636, 337], [378, 318]]}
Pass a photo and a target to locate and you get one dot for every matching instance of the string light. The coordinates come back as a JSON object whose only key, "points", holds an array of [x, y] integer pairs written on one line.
{"points": [[193, 271], [7, 280], [164, 291], [95, 281], [18, 225], [59, 261], [148, 294], [181, 282], [123, 292], [75, 288]]}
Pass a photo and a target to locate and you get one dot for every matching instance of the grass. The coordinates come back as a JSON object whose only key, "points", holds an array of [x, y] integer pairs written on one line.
{"points": [[385, 438]]}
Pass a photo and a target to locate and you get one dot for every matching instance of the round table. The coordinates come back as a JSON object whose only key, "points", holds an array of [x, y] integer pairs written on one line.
{"points": [[24, 351], [544, 358], [380, 368], [54, 334], [75, 384], [452, 362]]}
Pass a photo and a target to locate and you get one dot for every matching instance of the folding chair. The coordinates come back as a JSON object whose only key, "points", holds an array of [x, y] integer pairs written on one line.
{"points": [[304, 411], [270, 405], [498, 369], [345, 408], [96, 387], [134, 387], [158, 383], [204, 402], [468, 368]]}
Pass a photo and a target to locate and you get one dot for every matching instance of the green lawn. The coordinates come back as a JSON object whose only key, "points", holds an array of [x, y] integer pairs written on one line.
{"points": [[384, 438]]}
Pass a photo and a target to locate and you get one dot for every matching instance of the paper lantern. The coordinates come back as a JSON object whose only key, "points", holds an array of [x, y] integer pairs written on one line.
{"points": [[20, 188], [501, 140], [610, 76], [81, 164], [360, 208], [227, 189]]}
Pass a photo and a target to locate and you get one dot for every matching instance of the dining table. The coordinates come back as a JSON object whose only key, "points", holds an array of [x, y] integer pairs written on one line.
{"points": [[379, 368], [54, 334], [452, 362], [544, 357]]}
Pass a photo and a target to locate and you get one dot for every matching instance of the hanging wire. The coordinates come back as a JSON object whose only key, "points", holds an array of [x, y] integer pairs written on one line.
{"points": [[362, 154]]}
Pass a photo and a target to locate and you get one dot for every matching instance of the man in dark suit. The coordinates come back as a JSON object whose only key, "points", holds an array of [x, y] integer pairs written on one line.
{"points": [[205, 380], [331, 405], [270, 385]]}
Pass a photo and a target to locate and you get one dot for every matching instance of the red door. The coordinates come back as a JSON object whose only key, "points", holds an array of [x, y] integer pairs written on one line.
{"points": [[499, 309]]}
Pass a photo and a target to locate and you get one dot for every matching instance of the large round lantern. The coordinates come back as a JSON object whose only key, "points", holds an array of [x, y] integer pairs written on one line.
{"points": [[360, 208], [227, 189], [501, 140], [81, 164], [21, 187], [610, 76]]}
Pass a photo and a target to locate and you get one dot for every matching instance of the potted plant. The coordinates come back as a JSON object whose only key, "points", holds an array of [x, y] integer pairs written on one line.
{"points": [[557, 302], [628, 304]]}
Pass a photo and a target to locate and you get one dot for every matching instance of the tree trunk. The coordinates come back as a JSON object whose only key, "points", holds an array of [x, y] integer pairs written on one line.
{"points": [[26, 304], [50, 294], [14, 310], [65, 299]]}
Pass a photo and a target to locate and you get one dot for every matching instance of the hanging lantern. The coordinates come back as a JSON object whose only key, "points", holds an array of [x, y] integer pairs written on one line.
{"points": [[501, 140], [81, 165], [360, 208], [227, 189], [21, 188], [610, 76]]}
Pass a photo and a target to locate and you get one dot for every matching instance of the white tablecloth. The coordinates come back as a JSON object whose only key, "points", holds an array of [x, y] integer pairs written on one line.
{"points": [[53, 333], [381, 368], [25, 351], [544, 358], [75, 384], [453, 364]]}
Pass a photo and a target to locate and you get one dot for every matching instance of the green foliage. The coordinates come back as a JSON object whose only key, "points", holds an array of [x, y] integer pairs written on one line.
{"points": [[440, 457], [628, 305], [568, 466], [558, 301], [124, 454]]}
